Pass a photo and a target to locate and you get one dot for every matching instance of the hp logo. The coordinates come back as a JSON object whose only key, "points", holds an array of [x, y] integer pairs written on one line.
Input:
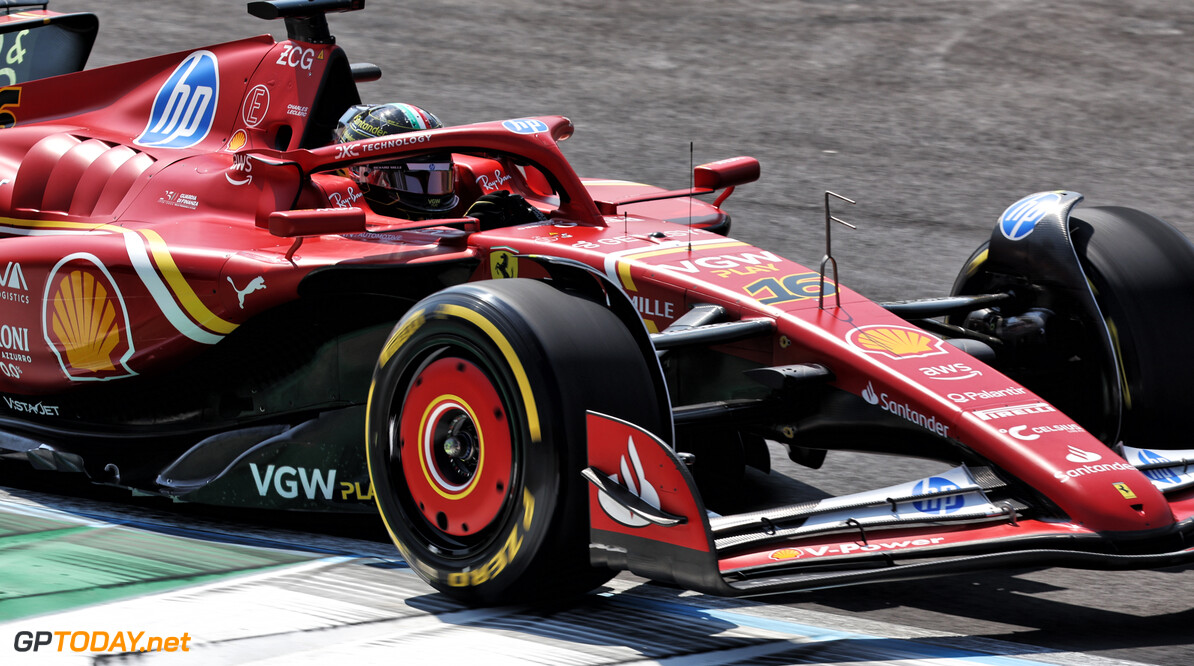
{"points": [[185, 106], [1021, 217], [938, 505], [525, 126]]}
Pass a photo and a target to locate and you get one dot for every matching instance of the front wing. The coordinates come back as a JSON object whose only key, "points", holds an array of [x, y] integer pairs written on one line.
{"points": [[647, 517]]}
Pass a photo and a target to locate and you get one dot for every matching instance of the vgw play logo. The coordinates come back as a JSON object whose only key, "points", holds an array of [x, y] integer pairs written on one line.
{"points": [[185, 106]]}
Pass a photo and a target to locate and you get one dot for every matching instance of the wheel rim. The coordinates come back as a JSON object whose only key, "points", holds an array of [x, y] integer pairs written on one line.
{"points": [[457, 449]]}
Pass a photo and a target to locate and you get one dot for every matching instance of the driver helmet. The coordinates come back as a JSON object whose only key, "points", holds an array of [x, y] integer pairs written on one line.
{"points": [[419, 187]]}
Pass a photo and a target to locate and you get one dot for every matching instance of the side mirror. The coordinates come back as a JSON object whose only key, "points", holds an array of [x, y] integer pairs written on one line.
{"points": [[725, 173], [316, 222]]}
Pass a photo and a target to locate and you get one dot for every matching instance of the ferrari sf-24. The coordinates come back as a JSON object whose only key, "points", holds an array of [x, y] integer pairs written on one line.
{"points": [[197, 302]]}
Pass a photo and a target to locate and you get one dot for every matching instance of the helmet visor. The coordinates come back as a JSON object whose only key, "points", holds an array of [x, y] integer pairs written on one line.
{"points": [[432, 178]]}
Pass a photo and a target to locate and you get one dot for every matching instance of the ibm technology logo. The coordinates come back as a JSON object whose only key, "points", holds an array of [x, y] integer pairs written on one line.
{"points": [[185, 106]]}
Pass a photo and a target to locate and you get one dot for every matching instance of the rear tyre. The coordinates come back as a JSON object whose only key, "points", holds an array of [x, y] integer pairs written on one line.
{"points": [[476, 435]]}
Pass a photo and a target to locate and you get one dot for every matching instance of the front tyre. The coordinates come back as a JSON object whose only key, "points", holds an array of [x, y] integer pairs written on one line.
{"points": [[476, 435]]}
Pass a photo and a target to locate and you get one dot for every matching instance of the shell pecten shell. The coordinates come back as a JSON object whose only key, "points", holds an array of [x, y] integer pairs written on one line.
{"points": [[84, 322]]}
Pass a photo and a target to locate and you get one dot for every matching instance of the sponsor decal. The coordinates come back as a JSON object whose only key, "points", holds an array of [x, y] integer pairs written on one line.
{"points": [[973, 396], [1013, 410], [256, 106], [289, 481], [950, 372], [509, 550], [345, 199], [525, 126], [725, 265], [181, 199], [492, 185], [298, 57], [10, 98], [937, 506], [352, 490], [1124, 490], [904, 411], [354, 149], [653, 307], [503, 265], [1090, 469], [1027, 434], [238, 140], [1077, 455], [37, 409], [14, 339], [636, 483], [85, 320], [118, 643], [185, 106], [785, 554], [1022, 217], [895, 342], [1018, 433], [623, 240], [241, 171], [256, 284], [1160, 474], [13, 286], [850, 548]]}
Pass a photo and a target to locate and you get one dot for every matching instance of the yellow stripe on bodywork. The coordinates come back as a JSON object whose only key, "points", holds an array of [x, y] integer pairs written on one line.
{"points": [[520, 375], [182, 290], [59, 226], [624, 265]]}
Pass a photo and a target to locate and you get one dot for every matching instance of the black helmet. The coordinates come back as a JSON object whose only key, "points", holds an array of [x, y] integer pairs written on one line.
{"points": [[423, 186]]}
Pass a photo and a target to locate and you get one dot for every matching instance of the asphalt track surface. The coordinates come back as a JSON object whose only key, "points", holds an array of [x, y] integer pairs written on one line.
{"points": [[933, 115]]}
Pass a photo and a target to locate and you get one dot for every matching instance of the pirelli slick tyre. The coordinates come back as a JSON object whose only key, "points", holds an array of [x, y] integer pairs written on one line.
{"points": [[476, 435], [1141, 272]]}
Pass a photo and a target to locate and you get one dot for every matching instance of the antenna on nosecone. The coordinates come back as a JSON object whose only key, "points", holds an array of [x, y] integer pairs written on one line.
{"points": [[828, 258], [691, 186]]}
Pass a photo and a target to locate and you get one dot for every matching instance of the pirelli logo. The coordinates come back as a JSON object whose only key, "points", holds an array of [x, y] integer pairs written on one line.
{"points": [[1013, 410]]}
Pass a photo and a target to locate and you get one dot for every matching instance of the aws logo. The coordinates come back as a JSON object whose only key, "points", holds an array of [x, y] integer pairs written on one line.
{"points": [[85, 320], [185, 106]]}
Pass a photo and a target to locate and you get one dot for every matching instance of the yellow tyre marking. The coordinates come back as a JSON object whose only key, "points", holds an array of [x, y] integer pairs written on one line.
{"points": [[520, 375], [480, 445]]}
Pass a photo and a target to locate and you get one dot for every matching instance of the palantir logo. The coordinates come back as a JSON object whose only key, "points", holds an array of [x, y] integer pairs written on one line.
{"points": [[937, 505], [185, 106], [1021, 217]]}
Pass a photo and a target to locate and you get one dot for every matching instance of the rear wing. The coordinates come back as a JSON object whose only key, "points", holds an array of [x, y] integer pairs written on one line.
{"points": [[36, 43]]}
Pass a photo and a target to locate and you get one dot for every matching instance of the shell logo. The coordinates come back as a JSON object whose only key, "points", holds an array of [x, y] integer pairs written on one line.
{"points": [[86, 324], [895, 342], [238, 141], [786, 554]]}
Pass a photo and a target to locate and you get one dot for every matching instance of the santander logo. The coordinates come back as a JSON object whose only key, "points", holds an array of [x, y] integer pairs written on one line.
{"points": [[1077, 455], [869, 394], [637, 484]]}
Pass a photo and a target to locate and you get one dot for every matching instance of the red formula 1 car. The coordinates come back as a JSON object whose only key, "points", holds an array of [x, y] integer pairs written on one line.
{"points": [[196, 302]]}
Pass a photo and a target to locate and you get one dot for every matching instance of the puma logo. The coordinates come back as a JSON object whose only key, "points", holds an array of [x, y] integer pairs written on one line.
{"points": [[254, 285]]}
